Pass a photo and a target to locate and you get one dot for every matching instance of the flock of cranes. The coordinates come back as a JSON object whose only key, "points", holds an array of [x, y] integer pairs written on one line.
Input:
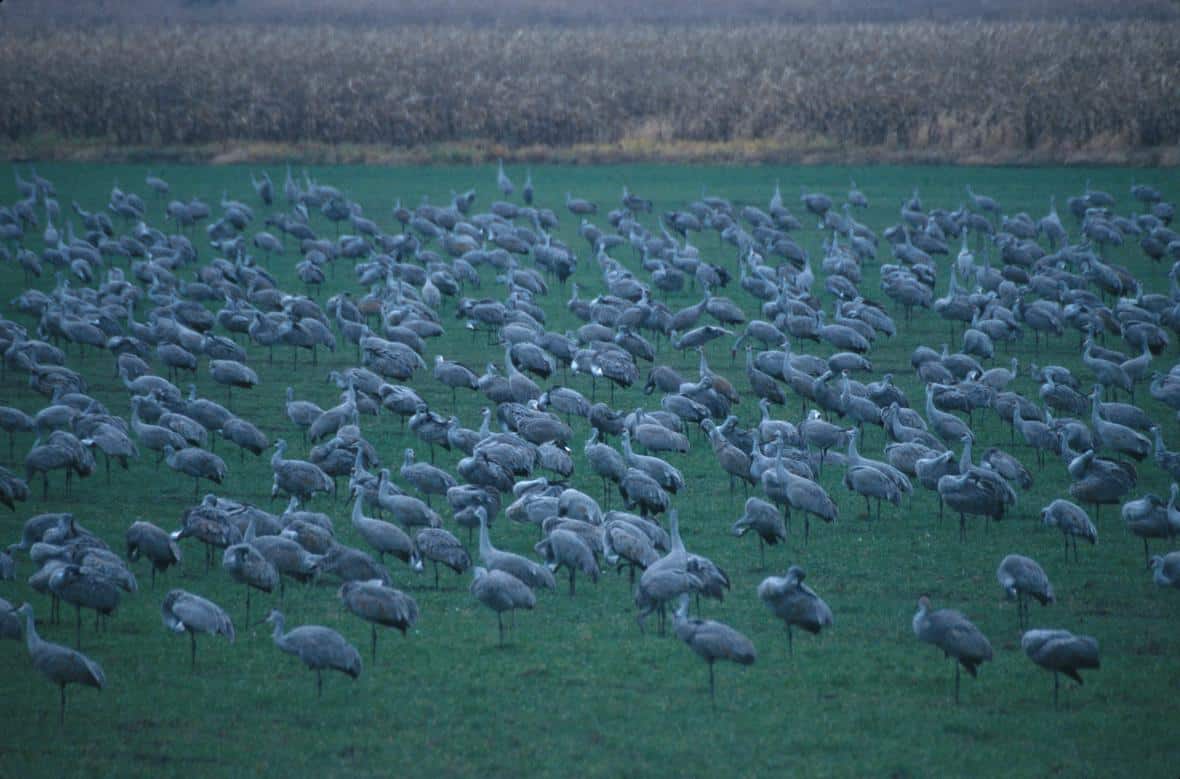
{"points": [[123, 290]]}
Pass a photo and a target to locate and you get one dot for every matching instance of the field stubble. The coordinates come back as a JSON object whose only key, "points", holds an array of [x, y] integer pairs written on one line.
{"points": [[965, 91]]}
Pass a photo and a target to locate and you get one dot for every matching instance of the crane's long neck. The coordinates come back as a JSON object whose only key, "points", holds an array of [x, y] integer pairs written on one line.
{"points": [[674, 532], [34, 642], [626, 442], [965, 463], [357, 513], [1159, 444], [853, 454], [485, 429], [277, 618], [485, 543]]}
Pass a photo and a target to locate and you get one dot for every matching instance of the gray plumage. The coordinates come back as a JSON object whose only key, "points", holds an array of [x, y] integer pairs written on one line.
{"points": [[426, 478], [246, 565], [712, 641], [531, 573], [60, 664], [1073, 522], [350, 564], [1166, 569], [184, 612], [500, 591], [144, 538], [955, 635], [384, 537], [439, 546], [196, 463], [766, 522], [1022, 578], [562, 547], [85, 588], [317, 647], [1061, 652], [379, 604], [299, 478], [792, 601], [245, 435]]}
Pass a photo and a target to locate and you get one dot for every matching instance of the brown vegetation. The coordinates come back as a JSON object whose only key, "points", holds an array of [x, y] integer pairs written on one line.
{"points": [[968, 90]]}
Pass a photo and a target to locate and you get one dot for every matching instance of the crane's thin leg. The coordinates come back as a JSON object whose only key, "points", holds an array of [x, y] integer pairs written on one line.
{"points": [[319, 683], [436, 574], [61, 716], [956, 682], [761, 553], [806, 527], [373, 629], [712, 694], [573, 573], [192, 638], [1056, 684], [500, 622]]}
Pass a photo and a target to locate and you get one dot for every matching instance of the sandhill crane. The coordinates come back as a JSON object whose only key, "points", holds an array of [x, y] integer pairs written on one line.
{"points": [[1110, 435], [712, 641], [318, 647], [381, 535], [1072, 521], [379, 604], [503, 183], [1022, 578], [1061, 652], [298, 478], [795, 492], [566, 548], [1166, 569], [246, 565], [624, 544], [1036, 434], [232, 373], [60, 664], [607, 463], [196, 463], [766, 522], [1106, 372], [792, 601], [112, 442], [428, 479], [454, 375], [500, 591], [84, 588], [302, 413], [871, 483], [184, 612], [955, 635], [1150, 517], [144, 538], [521, 568], [439, 546], [946, 426]]}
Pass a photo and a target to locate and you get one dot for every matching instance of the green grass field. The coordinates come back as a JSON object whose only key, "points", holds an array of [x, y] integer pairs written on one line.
{"points": [[579, 691]]}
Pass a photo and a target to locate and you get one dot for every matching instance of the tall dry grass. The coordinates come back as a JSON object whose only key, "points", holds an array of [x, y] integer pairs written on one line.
{"points": [[956, 89]]}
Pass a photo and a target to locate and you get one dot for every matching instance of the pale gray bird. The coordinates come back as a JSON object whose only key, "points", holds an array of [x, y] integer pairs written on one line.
{"points": [[439, 546], [500, 591], [379, 604], [531, 573], [712, 641], [1073, 522], [60, 664], [1022, 578], [144, 538], [1061, 652], [766, 522], [1166, 569], [246, 565], [184, 612], [317, 647], [792, 601], [955, 635], [566, 548]]}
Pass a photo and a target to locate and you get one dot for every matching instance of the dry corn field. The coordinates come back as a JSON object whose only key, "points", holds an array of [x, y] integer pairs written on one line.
{"points": [[968, 91]]}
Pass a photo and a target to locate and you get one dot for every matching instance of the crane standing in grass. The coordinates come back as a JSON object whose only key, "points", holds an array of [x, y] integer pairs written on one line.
{"points": [[60, 664]]}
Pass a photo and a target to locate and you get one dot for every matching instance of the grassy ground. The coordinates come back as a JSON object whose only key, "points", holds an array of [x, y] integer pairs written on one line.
{"points": [[579, 691]]}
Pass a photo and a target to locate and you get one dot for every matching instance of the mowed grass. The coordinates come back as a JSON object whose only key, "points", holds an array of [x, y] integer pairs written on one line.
{"points": [[578, 691]]}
